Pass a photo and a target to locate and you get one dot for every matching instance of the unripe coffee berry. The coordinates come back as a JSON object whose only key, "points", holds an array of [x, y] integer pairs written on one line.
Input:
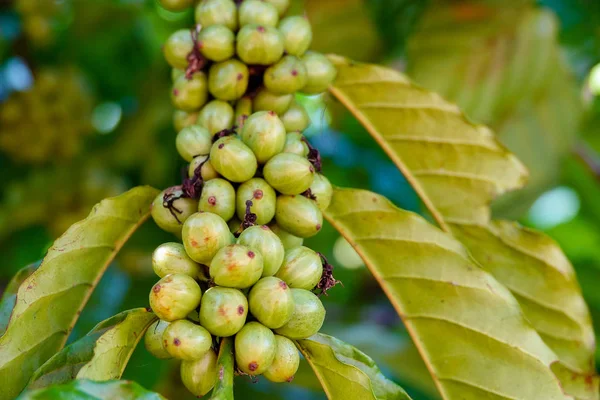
{"points": [[207, 171], [263, 199], [228, 80], [297, 35], [320, 72], [234, 225], [266, 100], [288, 240], [296, 118], [233, 159], [182, 208], [281, 5], [258, 12], [243, 110], [177, 48], [236, 266], [176, 5], [193, 141], [307, 318], [260, 45], [286, 361], [190, 94], [217, 12], [182, 119], [223, 311], [254, 348], [176, 73], [185, 340], [216, 116], [216, 42], [289, 173], [265, 134], [301, 269], [171, 258], [154, 342], [174, 296], [199, 376], [262, 239], [203, 235], [295, 144], [287, 76], [218, 197], [321, 188], [271, 302], [298, 215]]}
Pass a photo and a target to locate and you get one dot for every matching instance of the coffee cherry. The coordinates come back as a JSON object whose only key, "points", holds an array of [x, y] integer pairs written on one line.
{"points": [[261, 45], [193, 141], [323, 191], [217, 12], [243, 110], [203, 235], [185, 340], [190, 95], [236, 266], [280, 5], [320, 72], [301, 269], [234, 225], [269, 101], [182, 208], [174, 296], [216, 42], [176, 5], [199, 376], [263, 199], [207, 171], [263, 240], [258, 12], [295, 144], [216, 116], [295, 118], [176, 73], [287, 76], [288, 240], [271, 302], [182, 119], [307, 318], [297, 35], [154, 342], [289, 173], [233, 159], [254, 348], [298, 215], [264, 133], [171, 258], [223, 311], [218, 197], [177, 48], [286, 361], [228, 80]]}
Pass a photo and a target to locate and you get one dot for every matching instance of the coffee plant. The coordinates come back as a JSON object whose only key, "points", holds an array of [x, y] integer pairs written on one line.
{"points": [[494, 309]]}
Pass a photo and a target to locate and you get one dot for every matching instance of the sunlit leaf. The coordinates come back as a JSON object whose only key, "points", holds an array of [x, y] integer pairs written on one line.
{"points": [[9, 297], [223, 389], [90, 390]]}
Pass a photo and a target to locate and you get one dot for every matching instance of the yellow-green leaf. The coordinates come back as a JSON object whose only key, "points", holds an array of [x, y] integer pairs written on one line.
{"points": [[9, 297], [90, 390], [345, 372], [223, 389], [50, 300]]}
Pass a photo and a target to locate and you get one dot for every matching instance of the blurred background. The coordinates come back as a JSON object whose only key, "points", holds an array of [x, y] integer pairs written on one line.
{"points": [[83, 87]]}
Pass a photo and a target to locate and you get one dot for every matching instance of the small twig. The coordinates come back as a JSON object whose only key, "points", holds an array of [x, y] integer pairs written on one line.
{"points": [[327, 280]]}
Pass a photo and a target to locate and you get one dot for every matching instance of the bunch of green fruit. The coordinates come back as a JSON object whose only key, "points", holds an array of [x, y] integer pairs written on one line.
{"points": [[254, 191]]}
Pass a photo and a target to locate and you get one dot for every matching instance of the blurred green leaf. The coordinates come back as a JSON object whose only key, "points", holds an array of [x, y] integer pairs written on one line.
{"points": [[90, 390], [9, 297], [223, 389]]}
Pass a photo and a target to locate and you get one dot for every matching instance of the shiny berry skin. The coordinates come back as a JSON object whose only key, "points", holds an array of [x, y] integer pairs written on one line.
{"points": [[207, 171], [263, 199], [176, 73], [236, 266], [271, 302], [281, 5], [268, 244], [307, 318], [177, 48], [286, 76], [176, 5], [321, 188], [266, 100], [301, 269], [288, 240], [320, 72], [190, 95], [233, 159], [217, 12], [193, 141], [203, 235], [182, 119], [171, 258], [297, 35], [295, 144], [260, 45], [216, 43], [286, 361], [254, 348], [298, 215], [199, 376], [289, 173], [265, 134], [154, 342], [243, 110], [258, 12], [296, 118], [185, 340], [228, 80], [218, 197], [216, 116], [183, 208], [174, 297], [223, 311]]}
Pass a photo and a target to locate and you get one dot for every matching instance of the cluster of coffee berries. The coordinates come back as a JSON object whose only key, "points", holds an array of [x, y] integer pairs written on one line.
{"points": [[253, 192], [38, 18], [49, 120]]}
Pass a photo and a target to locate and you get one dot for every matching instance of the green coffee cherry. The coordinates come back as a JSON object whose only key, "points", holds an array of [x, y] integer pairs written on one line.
{"points": [[177, 48], [193, 141], [254, 348], [171, 258], [288, 240], [233, 159], [243, 109], [182, 208], [190, 95], [289, 173], [154, 342], [218, 197], [216, 42], [298, 215], [259, 13], [174, 296], [263, 240], [281, 5], [234, 225], [271, 302], [217, 12], [269, 101], [223, 311], [176, 73], [264, 133], [216, 116], [228, 80], [321, 188], [182, 119], [261, 45], [286, 361], [236, 266], [176, 5], [295, 144], [185, 340], [287, 76], [207, 171], [263, 199], [320, 72], [307, 318], [199, 376], [297, 35], [296, 118], [301, 269], [203, 235]]}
